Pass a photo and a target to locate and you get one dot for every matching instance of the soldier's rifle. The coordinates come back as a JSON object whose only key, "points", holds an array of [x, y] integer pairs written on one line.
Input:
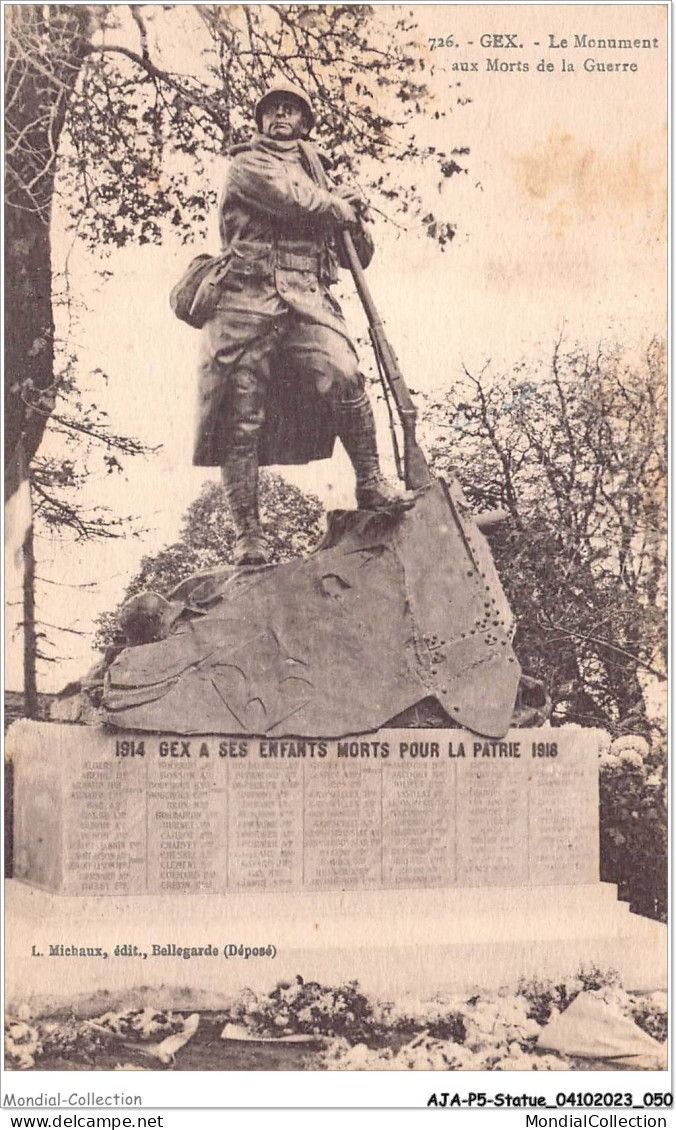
{"points": [[416, 471]]}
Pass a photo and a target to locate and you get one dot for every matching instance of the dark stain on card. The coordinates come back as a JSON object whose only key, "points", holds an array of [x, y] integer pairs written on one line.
{"points": [[572, 182]]}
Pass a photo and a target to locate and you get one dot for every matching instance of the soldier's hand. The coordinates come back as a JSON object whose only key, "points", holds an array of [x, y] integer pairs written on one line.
{"points": [[355, 199], [351, 194], [344, 212]]}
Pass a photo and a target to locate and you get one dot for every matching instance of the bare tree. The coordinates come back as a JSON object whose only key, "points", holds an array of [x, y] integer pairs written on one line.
{"points": [[576, 452]]}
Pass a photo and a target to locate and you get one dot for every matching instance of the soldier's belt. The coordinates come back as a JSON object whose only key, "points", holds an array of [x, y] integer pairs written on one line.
{"points": [[292, 261], [260, 259]]}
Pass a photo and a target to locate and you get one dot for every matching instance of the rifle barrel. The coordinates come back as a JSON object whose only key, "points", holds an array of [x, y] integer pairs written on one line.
{"points": [[394, 374]]}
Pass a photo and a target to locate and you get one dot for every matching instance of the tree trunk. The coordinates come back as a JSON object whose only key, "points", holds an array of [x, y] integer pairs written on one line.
{"points": [[45, 48], [30, 643], [46, 45]]}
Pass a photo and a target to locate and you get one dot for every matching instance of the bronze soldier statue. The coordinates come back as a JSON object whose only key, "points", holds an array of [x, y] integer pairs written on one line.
{"points": [[279, 375]]}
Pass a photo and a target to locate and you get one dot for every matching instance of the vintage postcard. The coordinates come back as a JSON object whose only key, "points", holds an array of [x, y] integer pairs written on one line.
{"points": [[336, 571]]}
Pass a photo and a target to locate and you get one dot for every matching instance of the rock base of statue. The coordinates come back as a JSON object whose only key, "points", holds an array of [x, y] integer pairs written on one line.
{"points": [[393, 610]]}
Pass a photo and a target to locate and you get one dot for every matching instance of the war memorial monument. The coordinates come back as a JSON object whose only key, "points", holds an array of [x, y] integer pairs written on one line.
{"points": [[322, 764]]}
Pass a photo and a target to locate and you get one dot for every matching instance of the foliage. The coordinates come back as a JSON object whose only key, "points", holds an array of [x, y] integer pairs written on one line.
{"points": [[141, 135], [575, 451], [309, 1008], [45, 48], [87, 445], [345, 1013], [634, 824], [424, 1053], [291, 523]]}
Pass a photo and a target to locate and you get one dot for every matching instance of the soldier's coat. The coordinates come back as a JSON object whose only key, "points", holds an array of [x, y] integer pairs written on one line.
{"points": [[275, 313]]}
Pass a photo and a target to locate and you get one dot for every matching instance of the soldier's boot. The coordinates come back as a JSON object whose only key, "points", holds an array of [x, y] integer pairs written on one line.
{"points": [[239, 476], [357, 432]]}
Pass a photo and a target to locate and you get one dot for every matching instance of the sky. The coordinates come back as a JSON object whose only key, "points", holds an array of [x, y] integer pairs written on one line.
{"points": [[560, 225]]}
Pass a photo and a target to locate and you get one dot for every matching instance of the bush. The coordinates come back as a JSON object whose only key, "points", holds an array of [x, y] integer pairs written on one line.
{"points": [[633, 819]]}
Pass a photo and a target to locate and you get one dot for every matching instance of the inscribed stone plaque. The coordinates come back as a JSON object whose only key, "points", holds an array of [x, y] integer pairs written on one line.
{"points": [[419, 824], [562, 824], [266, 826], [343, 825], [186, 825], [104, 832], [492, 823], [99, 814]]}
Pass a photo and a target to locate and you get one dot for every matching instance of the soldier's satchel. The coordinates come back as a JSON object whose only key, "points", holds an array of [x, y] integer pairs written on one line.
{"points": [[193, 299]]}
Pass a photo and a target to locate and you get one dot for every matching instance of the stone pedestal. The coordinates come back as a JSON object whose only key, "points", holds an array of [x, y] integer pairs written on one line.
{"points": [[412, 860], [391, 942]]}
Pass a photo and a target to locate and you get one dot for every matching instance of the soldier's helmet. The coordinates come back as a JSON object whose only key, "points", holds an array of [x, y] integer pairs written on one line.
{"points": [[285, 88]]}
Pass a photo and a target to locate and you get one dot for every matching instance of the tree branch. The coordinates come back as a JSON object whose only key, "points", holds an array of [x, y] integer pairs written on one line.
{"points": [[567, 634], [143, 32], [205, 102]]}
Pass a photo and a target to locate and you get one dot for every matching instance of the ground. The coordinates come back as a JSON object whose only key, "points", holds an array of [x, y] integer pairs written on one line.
{"points": [[305, 1026]]}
